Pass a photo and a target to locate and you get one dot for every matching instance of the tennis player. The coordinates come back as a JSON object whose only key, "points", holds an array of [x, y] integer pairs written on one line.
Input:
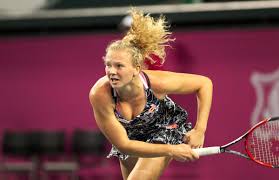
{"points": [[131, 106]]}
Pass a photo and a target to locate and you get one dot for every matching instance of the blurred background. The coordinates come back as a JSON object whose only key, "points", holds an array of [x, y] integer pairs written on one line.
{"points": [[51, 55]]}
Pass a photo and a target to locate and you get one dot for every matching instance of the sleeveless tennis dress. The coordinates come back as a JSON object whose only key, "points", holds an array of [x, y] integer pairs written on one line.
{"points": [[161, 121]]}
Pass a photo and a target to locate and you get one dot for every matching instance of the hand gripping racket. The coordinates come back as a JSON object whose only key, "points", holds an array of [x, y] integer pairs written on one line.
{"points": [[261, 144]]}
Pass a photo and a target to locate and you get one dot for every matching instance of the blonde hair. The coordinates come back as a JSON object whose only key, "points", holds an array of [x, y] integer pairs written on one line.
{"points": [[146, 37]]}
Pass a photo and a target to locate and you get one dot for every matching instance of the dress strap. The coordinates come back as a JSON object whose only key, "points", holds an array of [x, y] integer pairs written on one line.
{"points": [[145, 80]]}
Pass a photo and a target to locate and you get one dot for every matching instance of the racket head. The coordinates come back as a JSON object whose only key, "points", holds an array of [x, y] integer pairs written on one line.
{"points": [[262, 143]]}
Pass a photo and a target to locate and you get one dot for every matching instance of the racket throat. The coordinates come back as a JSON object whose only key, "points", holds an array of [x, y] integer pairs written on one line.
{"points": [[236, 153]]}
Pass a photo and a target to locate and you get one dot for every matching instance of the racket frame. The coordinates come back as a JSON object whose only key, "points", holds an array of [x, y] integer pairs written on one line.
{"points": [[246, 142], [223, 149]]}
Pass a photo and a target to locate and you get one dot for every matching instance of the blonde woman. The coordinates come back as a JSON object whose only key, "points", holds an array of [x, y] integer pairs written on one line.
{"points": [[132, 108]]}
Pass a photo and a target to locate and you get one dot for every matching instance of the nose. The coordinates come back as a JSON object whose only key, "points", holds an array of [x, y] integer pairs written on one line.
{"points": [[111, 70]]}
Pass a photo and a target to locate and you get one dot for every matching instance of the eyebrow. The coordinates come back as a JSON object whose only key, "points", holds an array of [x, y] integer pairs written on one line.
{"points": [[117, 62]]}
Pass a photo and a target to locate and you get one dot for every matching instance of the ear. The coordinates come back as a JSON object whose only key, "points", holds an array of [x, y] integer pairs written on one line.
{"points": [[137, 71]]}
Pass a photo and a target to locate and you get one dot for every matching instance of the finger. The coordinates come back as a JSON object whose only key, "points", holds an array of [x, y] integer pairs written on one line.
{"points": [[195, 155], [180, 159], [194, 146]]}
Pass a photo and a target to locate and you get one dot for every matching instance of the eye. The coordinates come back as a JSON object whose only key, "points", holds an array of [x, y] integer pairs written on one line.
{"points": [[120, 65], [107, 64]]}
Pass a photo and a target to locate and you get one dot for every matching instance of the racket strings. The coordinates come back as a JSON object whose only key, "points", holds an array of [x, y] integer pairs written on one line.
{"points": [[263, 143]]}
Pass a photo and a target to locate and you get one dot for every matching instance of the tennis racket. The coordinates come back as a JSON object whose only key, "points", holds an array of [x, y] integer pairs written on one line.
{"points": [[261, 144]]}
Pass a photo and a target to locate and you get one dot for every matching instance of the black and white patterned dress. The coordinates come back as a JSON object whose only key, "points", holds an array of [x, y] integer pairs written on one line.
{"points": [[161, 121]]}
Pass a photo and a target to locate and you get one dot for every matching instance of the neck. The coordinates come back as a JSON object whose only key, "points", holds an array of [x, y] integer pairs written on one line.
{"points": [[131, 90]]}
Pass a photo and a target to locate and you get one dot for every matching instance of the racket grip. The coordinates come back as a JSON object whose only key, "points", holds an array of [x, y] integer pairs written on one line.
{"points": [[208, 151]]}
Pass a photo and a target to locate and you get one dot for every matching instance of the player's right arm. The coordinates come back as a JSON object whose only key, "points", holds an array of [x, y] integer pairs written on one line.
{"points": [[103, 107]]}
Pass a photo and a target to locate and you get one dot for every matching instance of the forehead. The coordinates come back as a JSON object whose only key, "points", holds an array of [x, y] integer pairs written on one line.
{"points": [[122, 55]]}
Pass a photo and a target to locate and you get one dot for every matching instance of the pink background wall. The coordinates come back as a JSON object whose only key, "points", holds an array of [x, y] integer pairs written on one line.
{"points": [[44, 83]]}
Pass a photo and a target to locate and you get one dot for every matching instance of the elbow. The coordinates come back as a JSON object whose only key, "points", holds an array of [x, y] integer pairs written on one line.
{"points": [[206, 85], [209, 82]]}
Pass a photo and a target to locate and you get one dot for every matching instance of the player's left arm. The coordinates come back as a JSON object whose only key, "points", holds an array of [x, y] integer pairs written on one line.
{"points": [[165, 82]]}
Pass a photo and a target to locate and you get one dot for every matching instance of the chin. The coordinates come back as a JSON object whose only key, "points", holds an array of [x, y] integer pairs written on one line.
{"points": [[115, 85]]}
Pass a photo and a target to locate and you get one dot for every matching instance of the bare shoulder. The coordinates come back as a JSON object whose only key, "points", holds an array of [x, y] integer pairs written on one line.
{"points": [[100, 92], [158, 80], [157, 77], [167, 82]]}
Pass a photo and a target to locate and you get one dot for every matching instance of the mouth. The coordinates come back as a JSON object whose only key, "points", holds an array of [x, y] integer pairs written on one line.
{"points": [[114, 80]]}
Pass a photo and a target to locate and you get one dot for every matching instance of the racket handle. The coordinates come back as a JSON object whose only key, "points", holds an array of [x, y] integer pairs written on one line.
{"points": [[208, 151]]}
